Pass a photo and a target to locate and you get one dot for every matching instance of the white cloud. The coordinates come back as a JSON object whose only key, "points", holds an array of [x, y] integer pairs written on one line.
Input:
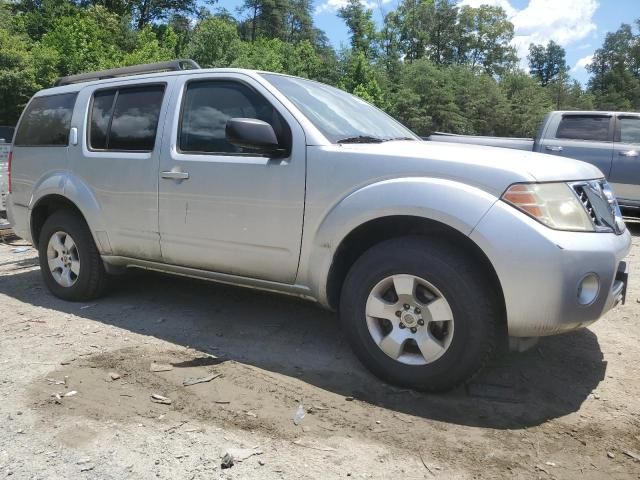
{"points": [[582, 63], [563, 21], [334, 5]]}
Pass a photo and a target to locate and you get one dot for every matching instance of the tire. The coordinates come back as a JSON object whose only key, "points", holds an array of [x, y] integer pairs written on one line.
{"points": [[87, 279], [455, 349]]}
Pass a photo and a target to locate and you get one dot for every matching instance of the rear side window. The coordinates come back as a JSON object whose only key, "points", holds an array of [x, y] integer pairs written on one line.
{"points": [[125, 119], [46, 121], [584, 127], [628, 130]]}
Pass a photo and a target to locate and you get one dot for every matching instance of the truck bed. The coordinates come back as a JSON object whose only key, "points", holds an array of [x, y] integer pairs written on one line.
{"points": [[502, 142]]}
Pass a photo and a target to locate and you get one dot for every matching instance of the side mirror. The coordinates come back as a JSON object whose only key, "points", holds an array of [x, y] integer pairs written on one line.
{"points": [[253, 134]]}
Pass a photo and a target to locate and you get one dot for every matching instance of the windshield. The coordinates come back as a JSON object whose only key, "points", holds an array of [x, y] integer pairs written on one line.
{"points": [[340, 116]]}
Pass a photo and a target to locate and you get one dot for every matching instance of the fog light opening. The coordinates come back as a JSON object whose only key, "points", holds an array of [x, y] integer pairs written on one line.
{"points": [[588, 289]]}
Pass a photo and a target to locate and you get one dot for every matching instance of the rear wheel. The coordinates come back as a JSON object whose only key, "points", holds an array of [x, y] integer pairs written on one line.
{"points": [[70, 263], [420, 313]]}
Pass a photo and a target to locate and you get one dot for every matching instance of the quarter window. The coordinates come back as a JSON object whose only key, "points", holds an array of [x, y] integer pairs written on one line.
{"points": [[125, 119], [584, 127], [46, 121], [628, 130], [209, 105]]}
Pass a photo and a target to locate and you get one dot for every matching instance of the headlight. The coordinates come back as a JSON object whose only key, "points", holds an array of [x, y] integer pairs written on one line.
{"points": [[553, 204]]}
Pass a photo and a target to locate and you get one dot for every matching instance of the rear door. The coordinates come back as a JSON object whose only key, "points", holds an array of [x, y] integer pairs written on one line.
{"points": [[586, 137], [625, 172], [118, 157]]}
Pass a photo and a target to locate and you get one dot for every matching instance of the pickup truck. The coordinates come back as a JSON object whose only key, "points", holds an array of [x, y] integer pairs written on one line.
{"points": [[608, 140]]}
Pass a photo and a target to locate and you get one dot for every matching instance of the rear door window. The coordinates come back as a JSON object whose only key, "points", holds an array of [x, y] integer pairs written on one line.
{"points": [[585, 127], [628, 130], [46, 121], [125, 119]]}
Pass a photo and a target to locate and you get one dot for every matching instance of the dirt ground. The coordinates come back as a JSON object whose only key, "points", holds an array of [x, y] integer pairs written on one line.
{"points": [[568, 408]]}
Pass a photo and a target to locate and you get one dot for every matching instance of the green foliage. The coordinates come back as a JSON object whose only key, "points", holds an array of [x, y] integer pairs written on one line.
{"points": [[615, 70], [17, 76], [528, 104], [215, 43], [433, 65], [359, 78], [359, 20], [547, 63]]}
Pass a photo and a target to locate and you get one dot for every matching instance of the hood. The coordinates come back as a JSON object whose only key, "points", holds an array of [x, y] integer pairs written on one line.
{"points": [[489, 168]]}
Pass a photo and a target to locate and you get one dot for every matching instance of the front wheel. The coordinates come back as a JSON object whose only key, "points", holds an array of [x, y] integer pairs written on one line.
{"points": [[419, 313]]}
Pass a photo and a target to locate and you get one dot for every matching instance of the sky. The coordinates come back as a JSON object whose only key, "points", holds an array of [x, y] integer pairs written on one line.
{"points": [[577, 25]]}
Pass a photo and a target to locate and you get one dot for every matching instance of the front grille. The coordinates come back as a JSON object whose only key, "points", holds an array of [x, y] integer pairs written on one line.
{"points": [[584, 199], [600, 204]]}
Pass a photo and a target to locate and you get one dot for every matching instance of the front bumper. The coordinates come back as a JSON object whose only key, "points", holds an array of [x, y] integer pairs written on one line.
{"points": [[541, 269]]}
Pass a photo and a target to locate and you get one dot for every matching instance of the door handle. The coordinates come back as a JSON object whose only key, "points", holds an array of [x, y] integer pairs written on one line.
{"points": [[554, 148], [629, 153], [175, 175]]}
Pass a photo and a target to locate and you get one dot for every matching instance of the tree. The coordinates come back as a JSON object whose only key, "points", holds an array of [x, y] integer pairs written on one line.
{"points": [[359, 78], [215, 43], [483, 40], [547, 63], [528, 101], [359, 21], [17, 76], [85, 42], [615, 70]]}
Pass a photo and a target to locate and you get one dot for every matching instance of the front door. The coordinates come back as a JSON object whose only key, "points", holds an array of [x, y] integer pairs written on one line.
{"points": [[625, 172], [224, 208]]}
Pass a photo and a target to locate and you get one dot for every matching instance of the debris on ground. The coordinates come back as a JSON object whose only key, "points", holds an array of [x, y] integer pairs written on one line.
{"points": [[237, 455], [610, 455], [20, 250], [114, 375], [227, 461], [71, 393], [542, 469], [349, 398], [160, 399], [302, 443], [634, 455], [193, 381], [53, 381], [299, 414], [160, 367]]}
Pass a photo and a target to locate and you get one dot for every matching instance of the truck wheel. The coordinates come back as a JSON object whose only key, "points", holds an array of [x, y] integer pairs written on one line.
{"points": [[69, 260], [419, 313]]}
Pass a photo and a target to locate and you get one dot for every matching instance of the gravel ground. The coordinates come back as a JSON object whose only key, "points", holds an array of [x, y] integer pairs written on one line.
{"points": [[568, 408]]}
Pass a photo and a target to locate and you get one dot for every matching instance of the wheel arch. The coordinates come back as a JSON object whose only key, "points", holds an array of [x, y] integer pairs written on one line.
{"points": [[378, 230], [47, 206]]}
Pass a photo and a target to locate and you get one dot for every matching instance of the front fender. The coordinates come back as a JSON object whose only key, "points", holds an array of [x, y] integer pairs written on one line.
{"points": [[452, 203], [72, 188]]}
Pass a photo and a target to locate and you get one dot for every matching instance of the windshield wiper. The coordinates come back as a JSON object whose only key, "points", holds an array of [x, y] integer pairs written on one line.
{"points": [[399, 138], [361, 139]]}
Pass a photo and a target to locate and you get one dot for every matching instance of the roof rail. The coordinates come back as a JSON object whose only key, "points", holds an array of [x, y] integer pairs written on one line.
{"points": [[171, 65]]}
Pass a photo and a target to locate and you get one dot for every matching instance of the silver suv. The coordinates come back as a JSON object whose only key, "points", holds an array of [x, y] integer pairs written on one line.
{"points": [[433, 253]]}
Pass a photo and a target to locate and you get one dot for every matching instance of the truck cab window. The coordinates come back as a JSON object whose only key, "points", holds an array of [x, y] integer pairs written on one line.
{"points": [[628, 130], [584, 127]]}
